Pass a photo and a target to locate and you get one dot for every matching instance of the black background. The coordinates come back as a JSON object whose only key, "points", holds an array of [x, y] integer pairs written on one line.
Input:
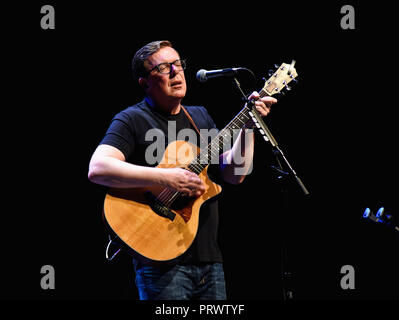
{"points": [[336, 126]]}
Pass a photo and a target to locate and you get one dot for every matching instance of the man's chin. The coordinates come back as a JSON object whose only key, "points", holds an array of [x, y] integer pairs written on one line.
{"points": [[178, 93]]}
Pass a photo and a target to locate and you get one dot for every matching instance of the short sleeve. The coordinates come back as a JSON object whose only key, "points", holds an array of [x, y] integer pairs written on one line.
{"points": [[120, 134]]}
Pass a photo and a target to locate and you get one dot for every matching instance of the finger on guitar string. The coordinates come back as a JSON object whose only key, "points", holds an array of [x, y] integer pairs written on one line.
{"points": [[184, 181]]}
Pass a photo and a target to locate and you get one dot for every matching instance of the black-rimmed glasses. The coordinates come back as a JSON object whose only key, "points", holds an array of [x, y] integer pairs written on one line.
{"points": [[166, 67]]}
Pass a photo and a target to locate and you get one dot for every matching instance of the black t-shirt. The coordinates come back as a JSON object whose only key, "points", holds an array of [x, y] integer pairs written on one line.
{"points": [[135, 129]]}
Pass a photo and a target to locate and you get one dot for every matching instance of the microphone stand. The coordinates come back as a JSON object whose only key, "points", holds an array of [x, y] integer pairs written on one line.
{"points": [[282, 176]]}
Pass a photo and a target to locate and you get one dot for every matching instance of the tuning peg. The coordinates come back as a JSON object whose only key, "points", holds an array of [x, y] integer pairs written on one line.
{"points": [[288, 88], [276, 65], [270, 72], [295, 80]]}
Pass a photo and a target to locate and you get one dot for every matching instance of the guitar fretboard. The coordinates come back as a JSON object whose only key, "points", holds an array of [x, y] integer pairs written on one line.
{"points": [[221, 141]]}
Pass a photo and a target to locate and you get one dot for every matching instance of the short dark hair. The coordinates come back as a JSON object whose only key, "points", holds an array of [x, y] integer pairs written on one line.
{"points": [[142, 55]]}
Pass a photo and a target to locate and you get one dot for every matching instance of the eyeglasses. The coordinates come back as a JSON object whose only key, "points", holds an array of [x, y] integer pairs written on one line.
{"points": [[166, 67]]}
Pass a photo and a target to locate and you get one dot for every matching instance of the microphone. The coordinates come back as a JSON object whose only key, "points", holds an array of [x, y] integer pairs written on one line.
{"points": [[204, 75]]}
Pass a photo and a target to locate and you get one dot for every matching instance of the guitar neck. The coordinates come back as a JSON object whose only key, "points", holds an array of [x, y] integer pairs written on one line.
{"points": [[221, 142], [281, 77]]}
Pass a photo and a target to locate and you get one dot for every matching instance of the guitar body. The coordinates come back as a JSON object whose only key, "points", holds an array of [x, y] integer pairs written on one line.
{"points": [[153, 237]]}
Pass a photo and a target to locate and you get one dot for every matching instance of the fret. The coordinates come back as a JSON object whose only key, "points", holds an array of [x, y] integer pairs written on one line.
{"points": [[263, 93], [214, 148]]}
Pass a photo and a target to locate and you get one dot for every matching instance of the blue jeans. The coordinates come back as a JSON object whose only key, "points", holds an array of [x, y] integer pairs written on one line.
{"points": [[181, 282]]}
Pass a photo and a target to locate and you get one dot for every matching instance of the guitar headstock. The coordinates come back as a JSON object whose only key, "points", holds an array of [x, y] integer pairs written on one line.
{"points": [[280, 79]]}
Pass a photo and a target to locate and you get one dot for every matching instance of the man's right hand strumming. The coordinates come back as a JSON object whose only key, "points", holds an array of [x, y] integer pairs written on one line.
{"points": [[184, 181]]}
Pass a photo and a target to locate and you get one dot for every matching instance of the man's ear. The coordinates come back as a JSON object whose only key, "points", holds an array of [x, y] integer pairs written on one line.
{"points": [[143, 83]]}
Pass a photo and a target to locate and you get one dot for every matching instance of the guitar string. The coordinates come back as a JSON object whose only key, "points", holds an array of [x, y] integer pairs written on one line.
{"points": [[223, 133], [167, 195]]}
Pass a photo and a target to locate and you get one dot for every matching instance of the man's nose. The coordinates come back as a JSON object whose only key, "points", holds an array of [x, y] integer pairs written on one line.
{"points": [[174, 70]]}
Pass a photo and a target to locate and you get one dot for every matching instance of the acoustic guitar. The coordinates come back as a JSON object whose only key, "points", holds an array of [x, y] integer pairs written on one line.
{"points": [[159, 224]]}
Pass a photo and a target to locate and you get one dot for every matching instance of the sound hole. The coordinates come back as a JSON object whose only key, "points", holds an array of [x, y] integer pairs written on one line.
{"points": [[183, 206], [181, 202]]}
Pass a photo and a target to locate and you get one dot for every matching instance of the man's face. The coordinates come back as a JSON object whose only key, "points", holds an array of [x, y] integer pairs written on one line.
{"points": [[164, 88]]}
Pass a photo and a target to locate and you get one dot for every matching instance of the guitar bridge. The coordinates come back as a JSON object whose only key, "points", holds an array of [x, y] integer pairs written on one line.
{"points": [[158, 207]]}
